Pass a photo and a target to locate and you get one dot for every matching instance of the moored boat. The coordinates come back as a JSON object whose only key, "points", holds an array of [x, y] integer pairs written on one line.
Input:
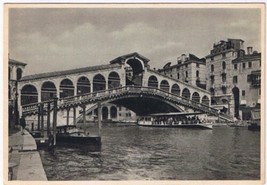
{"points": [[255, 123], [70, 134], [174, 120]]}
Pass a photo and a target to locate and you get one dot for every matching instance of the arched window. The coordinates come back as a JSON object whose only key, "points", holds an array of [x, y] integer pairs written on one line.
{"points": [[175, 89], [66, 88], [99, 83], [186, 93], [164, 85], [83, 85], [19, 74], [113, 112], [104, 113], [113, 80], [29, 95], [48, 91], [153, 81]]}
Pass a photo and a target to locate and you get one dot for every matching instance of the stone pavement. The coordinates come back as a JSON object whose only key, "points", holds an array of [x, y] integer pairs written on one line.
{"points": [[25, 158]]}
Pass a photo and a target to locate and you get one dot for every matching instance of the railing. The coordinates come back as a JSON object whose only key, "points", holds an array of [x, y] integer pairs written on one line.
{"points": [[115, 93]]}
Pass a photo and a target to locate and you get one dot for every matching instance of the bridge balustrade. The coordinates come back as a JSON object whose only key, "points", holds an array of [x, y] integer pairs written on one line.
{"points": [[110, 93]]}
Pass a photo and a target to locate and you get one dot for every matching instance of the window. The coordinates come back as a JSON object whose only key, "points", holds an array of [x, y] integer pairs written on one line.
{"points": [[223, 78], [244, 65], [211, 58], [212, 68], [249, 78], [224, 90], [197, 65], [235, 80], [186, 65], [197, 73], [249, 64], [178, 76], [186, 74], [235, 66], [223, 55], [119, 114], [120, 108], [223, 65], [243, 93], [170, 75]]}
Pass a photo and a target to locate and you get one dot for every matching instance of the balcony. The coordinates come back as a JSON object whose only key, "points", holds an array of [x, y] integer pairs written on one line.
{"points": [[212, 73], [224, 85]]}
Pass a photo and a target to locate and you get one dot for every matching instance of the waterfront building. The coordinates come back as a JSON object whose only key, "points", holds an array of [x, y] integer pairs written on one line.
{"points": [[189, 69], [15, 73], [232, 76]]}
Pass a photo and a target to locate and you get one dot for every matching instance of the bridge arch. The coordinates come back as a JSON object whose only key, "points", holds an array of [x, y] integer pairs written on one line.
{"points": [[66, 88], [29, 94], [196, 97], [153, 81], [205, 100], [48, 90], [99, 83], [175, 89], [186, 93], [113, 80], [83, 85], [164, 85]]}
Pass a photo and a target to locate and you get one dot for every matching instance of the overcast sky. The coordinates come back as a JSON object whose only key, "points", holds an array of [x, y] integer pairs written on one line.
{"points": [[60, 39]]}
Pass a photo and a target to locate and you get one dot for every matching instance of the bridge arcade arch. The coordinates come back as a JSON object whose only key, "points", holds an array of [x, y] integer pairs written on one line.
{"points": [[153, 81], [186, 93], [83, 85], [66, 88], [113, 80], [99, 83], [164, 85], [175, 89], [48, 91], [29, 94]]}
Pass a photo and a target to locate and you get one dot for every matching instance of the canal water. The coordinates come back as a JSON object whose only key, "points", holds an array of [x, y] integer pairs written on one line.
{"points": [[141, 153]]}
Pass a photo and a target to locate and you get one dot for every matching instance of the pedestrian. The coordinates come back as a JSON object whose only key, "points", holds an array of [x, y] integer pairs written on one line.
{"points": [[22, 124]]}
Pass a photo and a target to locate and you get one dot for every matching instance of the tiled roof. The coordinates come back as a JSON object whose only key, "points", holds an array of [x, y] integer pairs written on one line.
{"points": [[12, 61], [67, 72]]}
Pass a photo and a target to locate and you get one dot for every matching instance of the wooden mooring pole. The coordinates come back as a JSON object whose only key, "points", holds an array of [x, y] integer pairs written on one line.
{"points": [[99, 118], [55, 120], [48, 119], [42, 119]]}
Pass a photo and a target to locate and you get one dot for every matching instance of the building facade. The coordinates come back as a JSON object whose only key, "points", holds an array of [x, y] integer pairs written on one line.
{"points": [[231, 74], [15, 73], [189, 69]]}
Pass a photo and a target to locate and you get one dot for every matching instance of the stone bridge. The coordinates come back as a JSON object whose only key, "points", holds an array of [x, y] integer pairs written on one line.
{"points": [[127, 81]]}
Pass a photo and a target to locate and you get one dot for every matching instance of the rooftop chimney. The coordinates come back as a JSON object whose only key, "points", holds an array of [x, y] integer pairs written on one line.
{"points": [[249, 50]]}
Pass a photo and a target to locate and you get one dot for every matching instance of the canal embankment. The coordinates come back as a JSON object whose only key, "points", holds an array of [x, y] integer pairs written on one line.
{"points": [[24, 160]]}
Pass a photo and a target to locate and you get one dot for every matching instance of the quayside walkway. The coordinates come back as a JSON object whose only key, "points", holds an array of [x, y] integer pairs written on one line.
{"points": [[24, 160]]}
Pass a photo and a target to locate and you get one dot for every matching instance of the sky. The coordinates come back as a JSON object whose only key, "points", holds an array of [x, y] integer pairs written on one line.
{"points": [[53, 39]]}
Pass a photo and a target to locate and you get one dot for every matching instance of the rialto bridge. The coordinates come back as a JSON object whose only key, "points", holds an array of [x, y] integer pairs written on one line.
{"points": [[127, 81]]}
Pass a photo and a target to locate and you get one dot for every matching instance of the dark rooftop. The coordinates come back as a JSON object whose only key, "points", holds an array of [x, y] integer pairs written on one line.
{"points": [[12, 61], [66, 72]]}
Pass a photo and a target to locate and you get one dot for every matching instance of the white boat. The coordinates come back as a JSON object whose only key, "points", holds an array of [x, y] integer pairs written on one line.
{"points": [[174, 120]]}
